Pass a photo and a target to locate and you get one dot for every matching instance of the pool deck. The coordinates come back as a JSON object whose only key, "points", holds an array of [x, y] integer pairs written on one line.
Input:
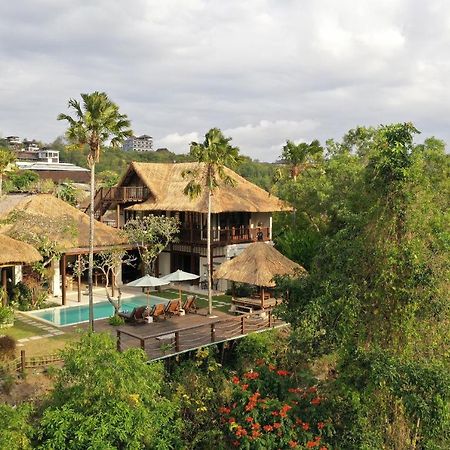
{"points": [[181, 334]]}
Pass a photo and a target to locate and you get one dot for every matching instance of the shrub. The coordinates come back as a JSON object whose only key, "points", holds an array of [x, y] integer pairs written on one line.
{"points": [[7, 348], [6, 316], [268, 411], [15, 427], [21, 296], [116, 320]]}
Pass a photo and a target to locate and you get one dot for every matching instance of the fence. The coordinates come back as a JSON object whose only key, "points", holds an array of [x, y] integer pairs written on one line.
{"points": [[180, 340], [21, 363]]}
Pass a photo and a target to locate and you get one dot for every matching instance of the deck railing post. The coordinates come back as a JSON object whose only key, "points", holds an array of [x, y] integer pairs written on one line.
{"points": [[270, 319], [118, 341], [22, 361], [177, 341], [142, 344], [213, 332], [242, 325]]}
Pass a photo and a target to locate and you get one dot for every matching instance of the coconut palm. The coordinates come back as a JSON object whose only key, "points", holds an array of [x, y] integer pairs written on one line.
{"points": [[97, 120], [301, 156], [213, 155], [7, 157]]}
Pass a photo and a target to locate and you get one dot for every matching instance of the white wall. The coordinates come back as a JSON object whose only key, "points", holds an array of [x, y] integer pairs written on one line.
{"points": [[164, 263], [263, 218]]}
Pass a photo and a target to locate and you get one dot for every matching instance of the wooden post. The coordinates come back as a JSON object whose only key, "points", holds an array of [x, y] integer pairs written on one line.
{"points": [[79, 278], [177, 341], [242, 324], [142, 344], [213, 332], [62, 269], [4, 284], [270, 319], [262, 297], [22, 361], [118, 216], [118, 346]]}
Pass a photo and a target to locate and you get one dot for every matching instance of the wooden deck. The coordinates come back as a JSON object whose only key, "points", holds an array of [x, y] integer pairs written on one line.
{"points": [[181, 334]]}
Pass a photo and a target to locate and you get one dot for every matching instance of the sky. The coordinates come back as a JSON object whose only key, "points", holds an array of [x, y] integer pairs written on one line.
{"points": [[263, 71]]}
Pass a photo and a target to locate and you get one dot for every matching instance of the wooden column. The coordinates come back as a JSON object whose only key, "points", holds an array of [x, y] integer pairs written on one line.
{"points": [[4, 283], [79, 279], [62, 269], [118, 216], [262, 297]]}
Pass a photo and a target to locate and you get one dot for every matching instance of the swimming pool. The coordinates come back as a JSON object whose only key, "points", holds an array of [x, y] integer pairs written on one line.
{"points": [[70, 315]]}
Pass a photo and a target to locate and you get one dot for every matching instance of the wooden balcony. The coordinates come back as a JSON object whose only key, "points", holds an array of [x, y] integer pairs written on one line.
{"points": [[129, 194], [224, 236]]}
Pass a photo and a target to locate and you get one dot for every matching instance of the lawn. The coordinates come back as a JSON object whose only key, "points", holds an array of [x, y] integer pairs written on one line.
{"points": [[22, 330]]}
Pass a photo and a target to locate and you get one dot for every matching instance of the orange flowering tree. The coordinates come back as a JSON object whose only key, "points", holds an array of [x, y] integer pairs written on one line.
{"points": [[268, 411]]}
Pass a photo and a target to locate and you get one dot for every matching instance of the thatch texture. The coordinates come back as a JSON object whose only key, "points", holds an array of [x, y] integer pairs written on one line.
{"points": [[49, 210], [166, 184], [14, 252], [258, 264]]}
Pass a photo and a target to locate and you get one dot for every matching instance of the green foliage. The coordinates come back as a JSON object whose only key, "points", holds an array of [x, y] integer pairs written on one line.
{"points": [[151, 235], [7, 158], [22, 180], [107, 178], [6, 316], [199, 387], [16, 429], [68, 192], [116, 321], [382, 401], [106, 399]]}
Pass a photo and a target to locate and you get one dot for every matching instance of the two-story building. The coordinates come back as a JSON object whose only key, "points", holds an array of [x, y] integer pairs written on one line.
{"points": [[241, 214]]}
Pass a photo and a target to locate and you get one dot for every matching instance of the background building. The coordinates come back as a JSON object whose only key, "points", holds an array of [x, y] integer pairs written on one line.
{"points": [[142, 143]]}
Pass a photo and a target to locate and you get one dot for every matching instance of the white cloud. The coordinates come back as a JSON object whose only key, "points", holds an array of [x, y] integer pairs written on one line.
{"points": [[261, 70]]}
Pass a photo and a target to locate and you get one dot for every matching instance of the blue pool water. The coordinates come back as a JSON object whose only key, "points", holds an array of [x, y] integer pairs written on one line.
{"points": [[71, 315]]}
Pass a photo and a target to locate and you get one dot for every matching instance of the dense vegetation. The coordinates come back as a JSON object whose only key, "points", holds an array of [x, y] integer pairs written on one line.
{"points": [[365, 363]]}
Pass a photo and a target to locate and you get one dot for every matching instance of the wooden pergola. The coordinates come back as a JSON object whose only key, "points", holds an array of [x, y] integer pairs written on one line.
{"points": [[258, 265]]}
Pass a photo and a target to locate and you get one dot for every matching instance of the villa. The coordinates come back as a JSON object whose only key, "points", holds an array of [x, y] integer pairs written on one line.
{"points": [[241, 214]]}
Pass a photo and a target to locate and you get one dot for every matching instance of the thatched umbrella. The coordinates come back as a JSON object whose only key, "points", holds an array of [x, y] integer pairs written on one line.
{"points": [[258, 264], [14, 253]]}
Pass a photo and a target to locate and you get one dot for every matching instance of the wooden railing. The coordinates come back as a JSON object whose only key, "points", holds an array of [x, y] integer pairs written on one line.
{"points": [[231, 235], [23, 362], [169, 343], [129, 194]]}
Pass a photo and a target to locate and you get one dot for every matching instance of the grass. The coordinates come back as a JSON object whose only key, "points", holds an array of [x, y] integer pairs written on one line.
{"points": [[22, 330]]}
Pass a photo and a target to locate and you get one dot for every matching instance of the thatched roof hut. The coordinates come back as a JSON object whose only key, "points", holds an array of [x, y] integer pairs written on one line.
{"points": [[46, 208], [258, 264], [166, 185], [14, 253]]}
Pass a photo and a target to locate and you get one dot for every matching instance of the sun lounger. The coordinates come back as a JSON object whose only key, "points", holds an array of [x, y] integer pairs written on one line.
{"points": [[137, 315], [173, 308], [159, 311], [189, 305]]}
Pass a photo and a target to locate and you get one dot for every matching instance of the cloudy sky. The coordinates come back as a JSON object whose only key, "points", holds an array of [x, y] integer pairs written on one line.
{"points": [[261, 70]]}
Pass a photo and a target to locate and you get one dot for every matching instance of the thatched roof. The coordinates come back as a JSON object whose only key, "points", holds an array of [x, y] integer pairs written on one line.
{"points": [[47, 208], [258, 264], [16, 253], [166, 183]]}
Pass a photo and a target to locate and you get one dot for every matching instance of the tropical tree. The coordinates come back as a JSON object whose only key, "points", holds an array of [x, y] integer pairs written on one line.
{"points": [[7, 157], [213, 155], [96, 120], [300, 156]]}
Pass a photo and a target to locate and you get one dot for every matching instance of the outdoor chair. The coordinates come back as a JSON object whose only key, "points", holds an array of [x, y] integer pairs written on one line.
{"points": [[159, 311], [137, 315], [173, 307], [190, 305]]}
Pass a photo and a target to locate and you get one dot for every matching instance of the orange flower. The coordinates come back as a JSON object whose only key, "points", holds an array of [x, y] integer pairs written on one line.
{"points": [[244, 387], [231, 420], [323, 448], [312, 390], [275, 413], [224, 410], [283, 373], [255, 433], [272, 367], [251, 375], [260, 362], [267, 427], [249, 419], [305, 426], [311, 444], [235, 380], [320, 425], [256, 426], [316, 401], [277, 425], [293, 444]]}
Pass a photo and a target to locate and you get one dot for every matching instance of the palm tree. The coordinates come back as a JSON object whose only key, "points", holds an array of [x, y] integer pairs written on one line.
{"points": [[301, 156], [212, 155], [7, 157], [96, 120]]}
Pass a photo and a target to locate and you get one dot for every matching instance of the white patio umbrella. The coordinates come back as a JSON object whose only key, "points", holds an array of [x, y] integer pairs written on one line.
{"points": [[147, 281], [180, 275]]}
